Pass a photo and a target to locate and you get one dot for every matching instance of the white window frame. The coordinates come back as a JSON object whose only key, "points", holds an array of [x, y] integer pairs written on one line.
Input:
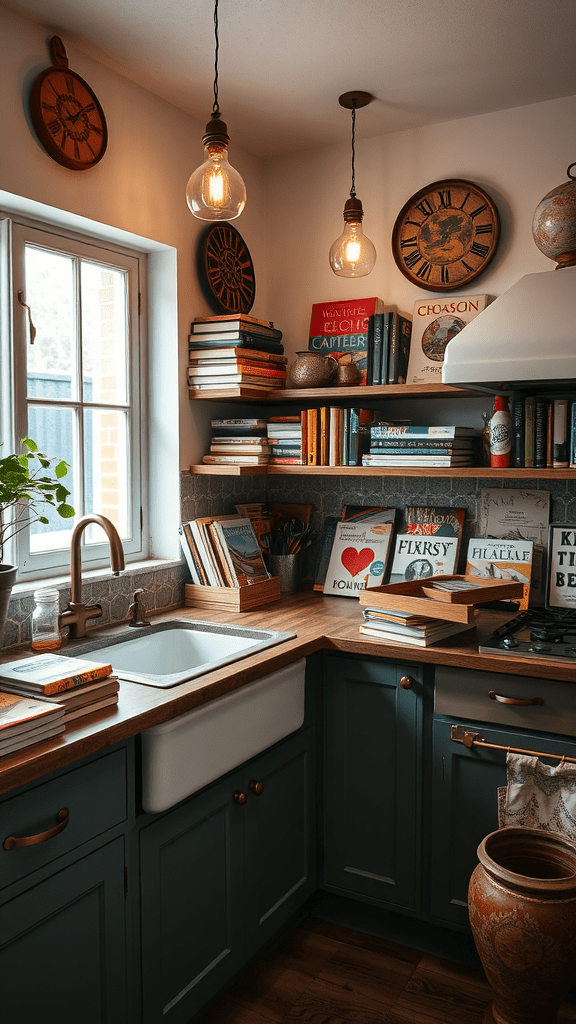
{"points": [[15, 234]]}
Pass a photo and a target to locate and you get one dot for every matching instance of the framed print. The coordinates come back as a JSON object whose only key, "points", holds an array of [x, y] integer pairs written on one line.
{"points": [[561, 591]]}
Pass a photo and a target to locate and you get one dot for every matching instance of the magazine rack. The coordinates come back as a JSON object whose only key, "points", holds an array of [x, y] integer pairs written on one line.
{"points": [[233, 599]]}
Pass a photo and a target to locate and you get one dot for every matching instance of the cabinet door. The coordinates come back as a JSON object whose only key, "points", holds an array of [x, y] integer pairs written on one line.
{"points": [[372, 779], [464, 807], [280, 837], [191, 896], [62, 945]]}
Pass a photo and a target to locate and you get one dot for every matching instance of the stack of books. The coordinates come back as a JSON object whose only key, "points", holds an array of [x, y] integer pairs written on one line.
{"points": [[25, 720], [235, 350], [66, 688], [395, 627], [285, 440], [239, 442], [223, 551], [543, 432], [420, 446]]}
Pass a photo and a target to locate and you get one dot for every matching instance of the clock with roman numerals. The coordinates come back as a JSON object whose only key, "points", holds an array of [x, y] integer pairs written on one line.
{"points": [[446, 235], [66, 114], [226, 269]]}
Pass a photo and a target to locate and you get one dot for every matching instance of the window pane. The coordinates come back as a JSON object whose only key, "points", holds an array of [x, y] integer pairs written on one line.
{"points": [[53, 431], [104, 333], [106, 469], [50, 295]]}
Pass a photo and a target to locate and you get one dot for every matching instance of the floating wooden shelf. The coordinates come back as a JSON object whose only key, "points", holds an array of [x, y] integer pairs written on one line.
{"points": [[474, 472], [324, 395]]}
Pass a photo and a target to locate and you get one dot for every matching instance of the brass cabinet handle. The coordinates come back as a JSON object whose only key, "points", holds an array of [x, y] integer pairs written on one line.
{"points": [[256, 787], [63, 817], [514, 700], [239, 797], [407, 682]]}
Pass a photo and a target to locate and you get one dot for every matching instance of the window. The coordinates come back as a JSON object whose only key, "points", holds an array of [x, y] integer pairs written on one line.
{"points": [[76, 385]]}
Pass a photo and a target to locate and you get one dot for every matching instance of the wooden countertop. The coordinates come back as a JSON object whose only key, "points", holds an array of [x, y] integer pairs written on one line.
{"points": [[319, 622]]}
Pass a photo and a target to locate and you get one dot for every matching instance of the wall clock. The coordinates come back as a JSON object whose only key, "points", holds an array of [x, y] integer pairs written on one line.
{"points": [[226, 269], [66, 114], [446, 235]]}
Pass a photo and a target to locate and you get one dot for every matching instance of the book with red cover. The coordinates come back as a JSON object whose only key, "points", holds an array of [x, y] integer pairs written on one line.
{"points": [[340, 329]]}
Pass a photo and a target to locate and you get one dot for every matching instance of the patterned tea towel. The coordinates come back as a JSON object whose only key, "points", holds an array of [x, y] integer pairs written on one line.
{"points": [[538, 796]]}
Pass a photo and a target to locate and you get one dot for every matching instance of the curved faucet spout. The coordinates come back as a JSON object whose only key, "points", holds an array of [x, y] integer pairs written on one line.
{"points": [[77, 614], [116, 551]]}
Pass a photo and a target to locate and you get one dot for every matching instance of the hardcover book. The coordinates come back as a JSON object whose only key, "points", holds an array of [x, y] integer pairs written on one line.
{"points": [[239, 537], [435, 521], [501, 559], [400, 334], [51, 673], [358, 558], [340, 329], [417, 556], [412, 432], [434, 323], [519, 514]]}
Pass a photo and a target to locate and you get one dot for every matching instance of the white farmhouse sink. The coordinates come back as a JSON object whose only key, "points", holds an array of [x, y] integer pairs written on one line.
{"points": [[181, 756], [172, 652]]}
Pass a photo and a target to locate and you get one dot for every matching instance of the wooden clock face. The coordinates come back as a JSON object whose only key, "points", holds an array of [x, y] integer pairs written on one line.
{"points": [[67, 116], [446, 235], [227, 268]]}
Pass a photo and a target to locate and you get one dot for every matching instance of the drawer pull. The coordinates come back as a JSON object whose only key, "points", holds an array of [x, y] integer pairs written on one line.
{"points": [[407, 682], [256, 787], [62, 817], [239, 797], [523, 702]]}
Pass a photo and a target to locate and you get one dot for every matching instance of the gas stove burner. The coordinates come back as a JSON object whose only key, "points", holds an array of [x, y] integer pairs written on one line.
{"points": [[537, 633]]}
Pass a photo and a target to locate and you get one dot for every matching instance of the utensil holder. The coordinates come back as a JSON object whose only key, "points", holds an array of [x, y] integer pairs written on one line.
{"points": [[287, 567]]}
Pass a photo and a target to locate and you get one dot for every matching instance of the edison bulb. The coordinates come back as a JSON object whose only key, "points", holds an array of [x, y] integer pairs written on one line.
{"points": [[352, 254], [215, 190]]}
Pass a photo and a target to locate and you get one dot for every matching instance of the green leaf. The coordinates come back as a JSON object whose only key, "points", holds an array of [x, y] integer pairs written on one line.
{"points": [[42, 519], [66, 511], [61, 469]]}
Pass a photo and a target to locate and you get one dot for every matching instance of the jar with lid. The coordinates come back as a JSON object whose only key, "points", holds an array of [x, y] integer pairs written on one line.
{"points": [[45, 629]]}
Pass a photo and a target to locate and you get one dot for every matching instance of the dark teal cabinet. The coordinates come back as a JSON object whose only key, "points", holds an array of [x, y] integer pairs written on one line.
{"points": [[373, 712], [220, 874], [464, 806]]}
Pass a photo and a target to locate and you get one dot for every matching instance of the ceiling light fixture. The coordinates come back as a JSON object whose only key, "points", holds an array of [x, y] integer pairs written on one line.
{"points": [[215, 191], [352, 254]]}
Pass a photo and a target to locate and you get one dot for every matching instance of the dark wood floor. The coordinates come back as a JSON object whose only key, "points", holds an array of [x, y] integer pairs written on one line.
{"points": [[322, 973]]}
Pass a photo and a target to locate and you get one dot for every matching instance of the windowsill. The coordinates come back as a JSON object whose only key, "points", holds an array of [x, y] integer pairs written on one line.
{"points": [[92, 575]]}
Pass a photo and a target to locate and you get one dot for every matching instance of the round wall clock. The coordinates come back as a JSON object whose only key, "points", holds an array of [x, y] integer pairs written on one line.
{"points": [[446, 235], [66, 114], [226, 268]]}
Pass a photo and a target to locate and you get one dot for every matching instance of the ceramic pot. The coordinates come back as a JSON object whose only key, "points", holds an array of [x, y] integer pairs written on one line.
{"points": [[522, 906], [349, 374], [7, 581], [312, 370]]}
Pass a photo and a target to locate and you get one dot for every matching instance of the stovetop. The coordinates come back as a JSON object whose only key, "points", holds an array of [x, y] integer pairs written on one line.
{"points": [[540, 633]]}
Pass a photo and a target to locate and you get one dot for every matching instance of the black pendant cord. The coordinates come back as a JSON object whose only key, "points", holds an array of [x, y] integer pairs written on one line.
{"points": [[353, 189], [215, 106]]}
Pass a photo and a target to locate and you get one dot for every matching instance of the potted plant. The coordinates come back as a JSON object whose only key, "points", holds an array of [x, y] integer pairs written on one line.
{"points": [[26, 488]]}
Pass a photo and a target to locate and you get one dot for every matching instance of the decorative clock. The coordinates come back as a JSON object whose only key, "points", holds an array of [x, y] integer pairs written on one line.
{"points": [[446, 235], [226, 269], [67, 115]]}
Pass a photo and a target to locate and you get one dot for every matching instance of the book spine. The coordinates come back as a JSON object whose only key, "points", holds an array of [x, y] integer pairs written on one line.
{"points": [[405, 331], [345, 437], [370, 351], [394, 349], [323, 426], [529, 430], [540, 430], [333, 442], [572, 435], [384, 362], [304, 435], [560, 439], [378, 325], [313, 437], [518, 431], [429, 452], [354, 438], [59, 685], [415, 433]]}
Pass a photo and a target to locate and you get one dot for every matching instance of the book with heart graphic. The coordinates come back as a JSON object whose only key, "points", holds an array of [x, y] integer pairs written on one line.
{"points": [[359, 557]]}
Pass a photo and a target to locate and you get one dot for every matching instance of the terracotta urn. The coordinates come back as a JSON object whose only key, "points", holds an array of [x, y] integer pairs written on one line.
{"points": [[312, 370], [522, 907]]}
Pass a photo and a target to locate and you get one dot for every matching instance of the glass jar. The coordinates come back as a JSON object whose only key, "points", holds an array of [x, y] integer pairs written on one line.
{"points": [[45, 629]]}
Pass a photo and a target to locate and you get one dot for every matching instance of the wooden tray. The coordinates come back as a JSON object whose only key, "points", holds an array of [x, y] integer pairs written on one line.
{"points": [[233, 599], [420, 598]]}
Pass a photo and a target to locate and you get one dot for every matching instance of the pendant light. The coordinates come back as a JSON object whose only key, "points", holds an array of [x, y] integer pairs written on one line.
{"points": [[215, 191], [352, 254]]}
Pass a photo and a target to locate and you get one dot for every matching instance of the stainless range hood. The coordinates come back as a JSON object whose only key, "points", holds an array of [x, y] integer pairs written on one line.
{"points": [[526, 338]]}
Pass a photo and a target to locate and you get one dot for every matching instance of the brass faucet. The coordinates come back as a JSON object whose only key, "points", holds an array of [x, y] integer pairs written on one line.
{"points": [[77, 613]]}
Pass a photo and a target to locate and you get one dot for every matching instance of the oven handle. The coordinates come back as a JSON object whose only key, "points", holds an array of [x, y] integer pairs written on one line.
{"points": [[459, 734], [523, 702]]}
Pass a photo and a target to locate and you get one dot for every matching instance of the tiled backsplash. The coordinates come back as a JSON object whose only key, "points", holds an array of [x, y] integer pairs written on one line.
{"points": [[206, 495]]}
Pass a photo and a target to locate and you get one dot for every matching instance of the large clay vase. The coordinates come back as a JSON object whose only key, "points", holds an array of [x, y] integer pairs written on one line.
{"points": [[7, 580], [522, 906]]}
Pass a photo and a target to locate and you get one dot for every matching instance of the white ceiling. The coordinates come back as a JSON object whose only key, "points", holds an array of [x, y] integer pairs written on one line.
{"points": [[283, 63]]}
